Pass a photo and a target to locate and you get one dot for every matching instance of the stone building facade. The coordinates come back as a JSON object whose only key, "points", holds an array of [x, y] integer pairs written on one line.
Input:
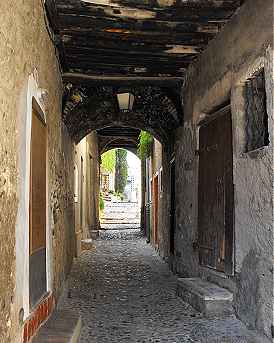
{"points": [[25, 74], [31, 80], [237, 55], [31, 89]]}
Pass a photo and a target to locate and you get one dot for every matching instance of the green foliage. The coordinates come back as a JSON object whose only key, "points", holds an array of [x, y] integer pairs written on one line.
{"points": [[121, 170], [144, 145], [101, 202], [119, 195], [108, 161]]}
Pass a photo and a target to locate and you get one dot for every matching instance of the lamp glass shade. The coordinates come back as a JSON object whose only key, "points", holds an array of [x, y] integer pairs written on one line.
{"points": [[125, 101]]}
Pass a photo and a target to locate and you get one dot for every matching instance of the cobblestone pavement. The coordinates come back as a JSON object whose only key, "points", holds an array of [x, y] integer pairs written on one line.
{"points": [[125, 293]]}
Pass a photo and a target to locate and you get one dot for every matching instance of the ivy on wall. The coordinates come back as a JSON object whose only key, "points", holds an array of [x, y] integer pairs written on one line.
{"points": [[144, 146], [121, 170]]}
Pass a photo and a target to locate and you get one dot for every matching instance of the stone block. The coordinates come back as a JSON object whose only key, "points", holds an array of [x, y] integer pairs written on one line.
{"points": [[62, 327], [87, 244], [208, 298], [94, 234]]}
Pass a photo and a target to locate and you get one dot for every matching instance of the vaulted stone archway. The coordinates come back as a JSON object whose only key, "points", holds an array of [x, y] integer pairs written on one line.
{"points": [[118, 137], [155, 109]]}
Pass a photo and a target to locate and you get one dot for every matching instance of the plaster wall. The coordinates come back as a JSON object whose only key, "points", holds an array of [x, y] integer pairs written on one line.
{"points": [[87, 150], [28, 64], [93, 182], [244, 46]]}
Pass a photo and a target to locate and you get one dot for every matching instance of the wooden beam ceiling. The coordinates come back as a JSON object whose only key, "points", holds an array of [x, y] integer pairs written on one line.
{"points": [[119, 132], [135, 38], [120, 81]]}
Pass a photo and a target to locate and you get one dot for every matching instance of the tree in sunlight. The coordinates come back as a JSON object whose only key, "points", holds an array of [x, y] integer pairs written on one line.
{"points": [[108, 161], [121, 170]]}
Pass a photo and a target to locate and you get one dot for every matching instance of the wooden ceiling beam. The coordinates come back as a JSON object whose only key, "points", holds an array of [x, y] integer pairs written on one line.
{"points": [[84, 79], [126, 59], [136, 37], [119, 132], [152, 4], [215, 4], [75, 21], [105, 42], [142, 56], [76, 63], [130, 72], [180, 9]]}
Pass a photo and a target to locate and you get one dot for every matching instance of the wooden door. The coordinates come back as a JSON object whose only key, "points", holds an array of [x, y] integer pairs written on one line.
{"points": [[81, 193], [155, 208], [216, 199], [37, 210], [172, 207]]}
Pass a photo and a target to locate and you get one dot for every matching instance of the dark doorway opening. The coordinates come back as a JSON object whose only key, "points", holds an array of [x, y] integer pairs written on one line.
{"points": [[156, 208], [172, 207]]}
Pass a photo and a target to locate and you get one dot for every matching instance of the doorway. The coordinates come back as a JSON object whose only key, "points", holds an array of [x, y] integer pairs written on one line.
{"points": [[172, 207], [37, 210], [155, 208], [216, 199], [120, 192]]}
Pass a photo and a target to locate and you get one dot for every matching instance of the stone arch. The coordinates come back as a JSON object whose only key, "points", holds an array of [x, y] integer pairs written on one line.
{"points": [[155, 109], [109, 143]]}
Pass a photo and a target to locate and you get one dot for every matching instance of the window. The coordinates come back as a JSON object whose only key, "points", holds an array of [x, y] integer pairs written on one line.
{"points": [[257, 135]]}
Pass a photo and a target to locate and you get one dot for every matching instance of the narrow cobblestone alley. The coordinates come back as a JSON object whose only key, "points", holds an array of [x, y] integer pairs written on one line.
{"points": [[125, 293]]}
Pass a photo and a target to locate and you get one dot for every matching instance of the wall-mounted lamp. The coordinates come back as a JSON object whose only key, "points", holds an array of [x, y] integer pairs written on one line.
{"points": [[125, 101], [43, 94]]}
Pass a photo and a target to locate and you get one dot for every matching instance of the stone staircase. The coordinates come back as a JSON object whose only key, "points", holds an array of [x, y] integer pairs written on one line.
{"points": [[62, 327]]}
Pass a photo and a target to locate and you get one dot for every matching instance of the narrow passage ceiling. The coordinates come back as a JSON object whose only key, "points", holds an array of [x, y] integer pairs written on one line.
{"points": [[137, 46], [135, 37]]}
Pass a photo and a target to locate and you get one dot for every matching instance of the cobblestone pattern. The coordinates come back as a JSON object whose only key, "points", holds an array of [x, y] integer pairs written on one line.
{"points": [[125, 293]]}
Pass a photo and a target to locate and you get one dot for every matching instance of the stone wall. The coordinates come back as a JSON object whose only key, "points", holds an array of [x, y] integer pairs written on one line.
{"points": [[27, 57], [244, 45]]}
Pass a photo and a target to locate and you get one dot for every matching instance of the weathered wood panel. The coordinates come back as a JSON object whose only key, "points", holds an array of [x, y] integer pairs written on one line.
{"points": [[111, 37], [216, 206]]}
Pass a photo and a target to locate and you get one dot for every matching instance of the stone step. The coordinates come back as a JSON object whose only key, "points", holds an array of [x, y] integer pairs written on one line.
{"points": [[62, 327], [87, 244], [205, 297]]}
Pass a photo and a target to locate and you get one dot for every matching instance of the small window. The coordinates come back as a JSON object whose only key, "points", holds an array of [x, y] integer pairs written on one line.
{"points": [[257, 135]]}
